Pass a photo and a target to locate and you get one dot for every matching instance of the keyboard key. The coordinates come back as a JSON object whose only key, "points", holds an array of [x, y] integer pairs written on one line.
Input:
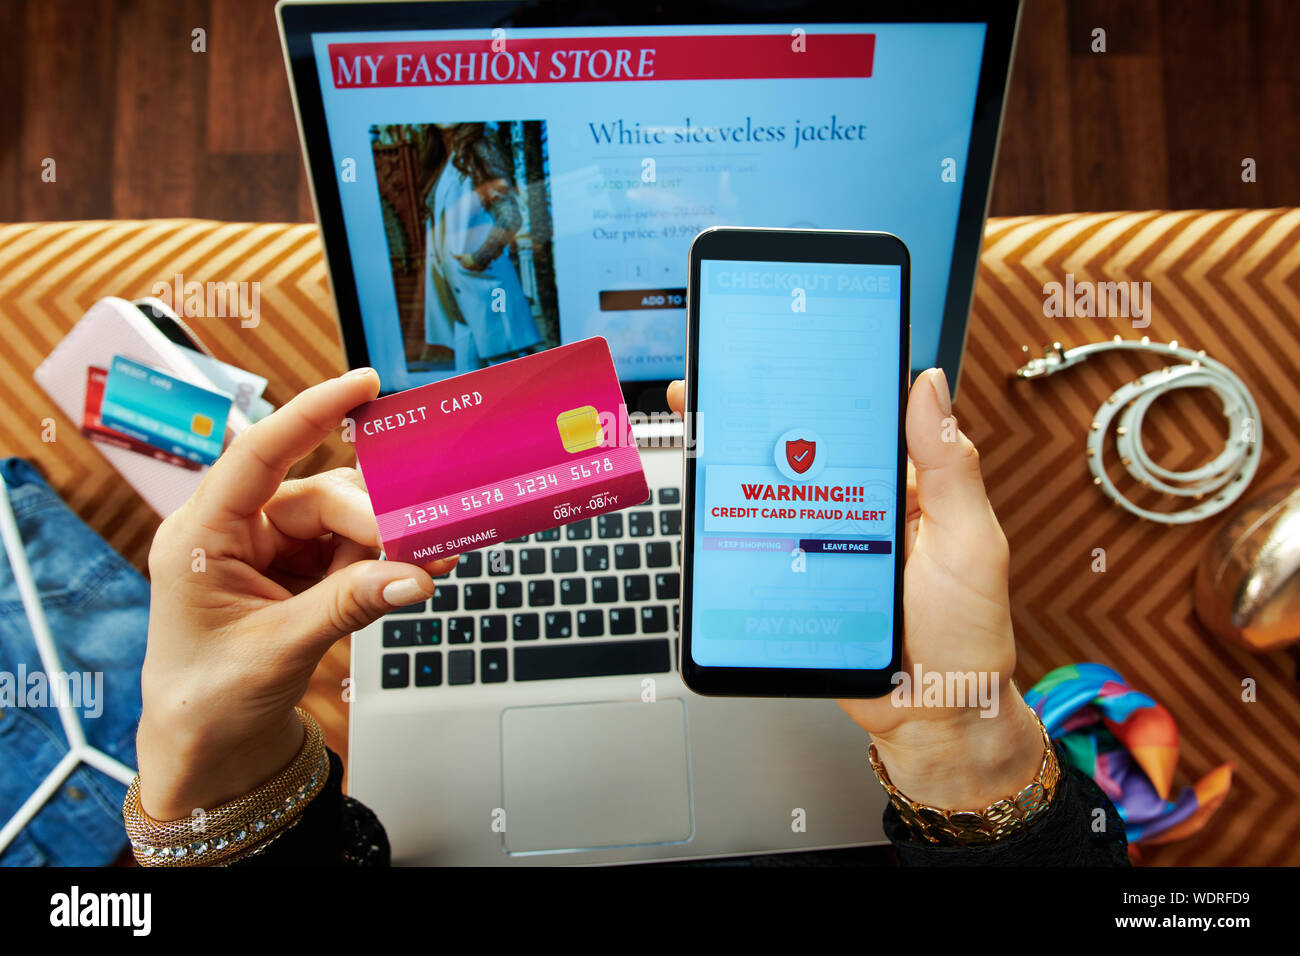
{"points": [[493, 665], [641, 524], [417, 608], [609, 526], [670, 522], [396, 670], [460, 630], [677, 617], [599, 659], [667, 587], [578, 531], [470, 565], [428, 669], [412, 633], [399, 633], [559, 624], [460, 667], [500, 562], [518, 540], [654, 620], [492, 628], [670, 496], [478, 597], [510, 594], [591, 623], [658, 554], [627, 556], [550, 534], [622, 620], [526, 627], [564, 560], [573, 591], [636, 587], [541, 593], [604, 590], [427, 631], [595, 557], [532, 561], [444, 597]]}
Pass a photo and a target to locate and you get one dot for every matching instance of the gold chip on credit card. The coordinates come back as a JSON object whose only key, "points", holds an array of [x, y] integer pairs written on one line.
{"points": [[201, 425], [579, 428]]}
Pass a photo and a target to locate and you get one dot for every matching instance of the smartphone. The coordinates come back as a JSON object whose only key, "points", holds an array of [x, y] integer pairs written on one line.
{"points": [[795, 484]]}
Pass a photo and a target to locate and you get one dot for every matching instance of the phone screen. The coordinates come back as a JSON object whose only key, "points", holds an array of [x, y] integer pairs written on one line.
{"points": [[797, 459]]}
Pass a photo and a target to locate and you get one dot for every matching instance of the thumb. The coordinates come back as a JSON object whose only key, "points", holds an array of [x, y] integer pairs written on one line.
{"points": [[351, 598], [949, 486], [677, 396]]}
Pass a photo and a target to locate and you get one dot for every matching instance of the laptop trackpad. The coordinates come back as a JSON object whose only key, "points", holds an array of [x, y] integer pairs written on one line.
{"points": [[582, 776]]}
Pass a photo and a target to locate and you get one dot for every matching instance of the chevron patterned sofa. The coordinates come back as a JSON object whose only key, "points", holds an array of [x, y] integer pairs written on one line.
{"points": [[1227, 281]]}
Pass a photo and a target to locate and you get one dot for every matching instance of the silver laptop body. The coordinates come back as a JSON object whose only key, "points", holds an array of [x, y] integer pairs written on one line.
{"points": [[511, 727]]}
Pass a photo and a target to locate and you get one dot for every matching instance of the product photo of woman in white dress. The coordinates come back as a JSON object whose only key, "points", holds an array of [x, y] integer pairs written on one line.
{"points": [[474, 302]]}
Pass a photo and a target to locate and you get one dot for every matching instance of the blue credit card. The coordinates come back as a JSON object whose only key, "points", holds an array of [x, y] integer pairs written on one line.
{"points": [[164, 411]]}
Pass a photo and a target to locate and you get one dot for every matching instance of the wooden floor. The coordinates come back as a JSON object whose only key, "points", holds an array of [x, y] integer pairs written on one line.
{"points": [[140, 126]]}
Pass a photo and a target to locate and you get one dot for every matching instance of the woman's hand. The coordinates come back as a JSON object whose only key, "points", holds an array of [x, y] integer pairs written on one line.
{"points": [[467, 261], [252, 581], [956, 619]]}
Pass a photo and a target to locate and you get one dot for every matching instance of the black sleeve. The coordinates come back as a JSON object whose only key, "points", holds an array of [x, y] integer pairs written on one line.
{"points": [[1067, 836], [333, 831]]}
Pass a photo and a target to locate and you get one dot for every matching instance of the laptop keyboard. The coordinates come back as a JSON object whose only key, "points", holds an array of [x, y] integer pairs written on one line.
{"points": [[594, 598]]}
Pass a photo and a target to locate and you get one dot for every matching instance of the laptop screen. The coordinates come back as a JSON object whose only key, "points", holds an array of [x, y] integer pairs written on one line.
{"points": [[507, 195]]}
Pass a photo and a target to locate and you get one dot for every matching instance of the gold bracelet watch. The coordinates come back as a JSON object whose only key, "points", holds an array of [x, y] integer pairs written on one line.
{"points": [[977, 827]]}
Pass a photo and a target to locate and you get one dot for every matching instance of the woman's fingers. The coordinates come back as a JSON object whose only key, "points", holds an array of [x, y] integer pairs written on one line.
{"points": [[335, 504], [349, 552], [331, 502], [350, 598], [949, 486], [247, 475], [441, 567], [677, 396], [912, 517], [913, 504]]}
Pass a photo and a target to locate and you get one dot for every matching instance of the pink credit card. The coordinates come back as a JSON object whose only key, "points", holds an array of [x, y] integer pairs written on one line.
{"points": [[499, 453]]}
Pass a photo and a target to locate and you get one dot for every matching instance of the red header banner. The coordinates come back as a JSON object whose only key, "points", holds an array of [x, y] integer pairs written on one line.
{"points": [[602, 59]]}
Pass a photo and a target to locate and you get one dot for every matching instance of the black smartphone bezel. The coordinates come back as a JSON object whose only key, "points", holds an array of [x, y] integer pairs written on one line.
{"points": [[802, 246], [299, 19]]}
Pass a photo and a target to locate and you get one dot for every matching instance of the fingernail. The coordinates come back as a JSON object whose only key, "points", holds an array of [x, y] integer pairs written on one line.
{"points": [[359, 372], [940, 382], [404, 592]]}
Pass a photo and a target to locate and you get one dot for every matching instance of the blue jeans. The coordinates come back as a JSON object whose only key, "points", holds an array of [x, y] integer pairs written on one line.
{"points": [[97, 607]]}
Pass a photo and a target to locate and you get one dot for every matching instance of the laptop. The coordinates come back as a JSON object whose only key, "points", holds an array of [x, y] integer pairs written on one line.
{"points": [[531, 712]]}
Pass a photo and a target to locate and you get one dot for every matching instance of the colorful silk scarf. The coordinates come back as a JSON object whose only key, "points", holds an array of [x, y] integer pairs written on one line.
{"points": [[1128, 744]]}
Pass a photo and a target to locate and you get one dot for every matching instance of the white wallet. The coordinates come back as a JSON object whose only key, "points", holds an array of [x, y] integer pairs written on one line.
{"points": [[114, 326]]}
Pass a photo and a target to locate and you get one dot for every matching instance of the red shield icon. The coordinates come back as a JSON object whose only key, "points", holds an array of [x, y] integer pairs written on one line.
{"points": [[799, 454]]}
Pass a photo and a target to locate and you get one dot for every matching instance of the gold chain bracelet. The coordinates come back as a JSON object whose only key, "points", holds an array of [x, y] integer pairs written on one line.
{"points": [[975, 827], [240, 828]]}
